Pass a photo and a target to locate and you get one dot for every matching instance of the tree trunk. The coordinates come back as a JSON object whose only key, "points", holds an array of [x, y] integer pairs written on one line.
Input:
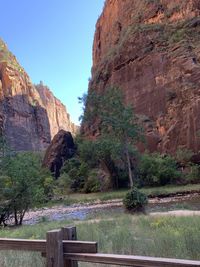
{"points": [[22, 216], [129, 167], [16, 219]]}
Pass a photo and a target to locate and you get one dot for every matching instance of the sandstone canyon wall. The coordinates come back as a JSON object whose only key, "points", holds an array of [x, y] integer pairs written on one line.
{"points": [[57, 114], [29, 115], [151, 49]]}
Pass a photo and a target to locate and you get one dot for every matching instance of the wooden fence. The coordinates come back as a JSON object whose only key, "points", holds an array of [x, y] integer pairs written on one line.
{"points": [[61, 249]]}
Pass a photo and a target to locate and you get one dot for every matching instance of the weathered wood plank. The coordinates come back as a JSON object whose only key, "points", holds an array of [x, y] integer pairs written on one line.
{"points": [[79, 247], [69, 233], [137, 261], [40, 245], [23, 244], [85, 251], [54, 249]]}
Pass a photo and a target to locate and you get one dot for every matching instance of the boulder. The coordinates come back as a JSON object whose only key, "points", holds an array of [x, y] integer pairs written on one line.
{"points": [[61, 148]]}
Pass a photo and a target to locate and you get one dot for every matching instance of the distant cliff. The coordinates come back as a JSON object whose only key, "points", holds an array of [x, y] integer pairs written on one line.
{"points": [[151, 49], [59, 118], [29, 115]]}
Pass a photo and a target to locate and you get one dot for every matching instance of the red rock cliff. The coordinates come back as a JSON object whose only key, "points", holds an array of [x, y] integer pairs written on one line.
{"points": [[58, 116], [26, 117], [151, 49]]}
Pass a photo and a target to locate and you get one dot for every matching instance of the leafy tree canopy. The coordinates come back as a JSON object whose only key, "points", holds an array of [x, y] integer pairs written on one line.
{"points": [[23, 184], [117, 124]]}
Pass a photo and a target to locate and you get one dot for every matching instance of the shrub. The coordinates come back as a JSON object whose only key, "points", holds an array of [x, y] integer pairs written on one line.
{"points": [[193, 175], [183, 156], [177, 36], [156, 169], [77, 176], [135, 200], [73, 176], [92, 184]]}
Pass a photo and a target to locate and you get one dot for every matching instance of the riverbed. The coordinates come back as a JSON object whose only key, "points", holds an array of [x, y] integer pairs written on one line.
{"points": [[177, 205]]}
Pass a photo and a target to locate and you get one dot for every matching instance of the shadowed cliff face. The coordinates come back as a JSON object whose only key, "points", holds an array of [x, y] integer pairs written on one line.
{"points": [[151, 49], [26, 127], [26, 111], [58, 116]]}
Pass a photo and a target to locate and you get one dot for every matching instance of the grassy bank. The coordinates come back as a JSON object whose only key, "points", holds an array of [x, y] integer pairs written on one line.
{"points": [[105, 196], [176, 237], [170, 189]]}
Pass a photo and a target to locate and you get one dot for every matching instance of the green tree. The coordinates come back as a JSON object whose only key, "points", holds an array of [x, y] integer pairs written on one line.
{"points": [[23, 184], [117, 123]]}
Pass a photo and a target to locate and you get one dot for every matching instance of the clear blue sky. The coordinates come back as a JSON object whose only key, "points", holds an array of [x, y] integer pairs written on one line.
{"points": [[52, 40]]}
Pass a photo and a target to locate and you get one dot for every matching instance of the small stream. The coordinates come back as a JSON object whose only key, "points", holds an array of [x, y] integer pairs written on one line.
{"points": [[83, 212]]}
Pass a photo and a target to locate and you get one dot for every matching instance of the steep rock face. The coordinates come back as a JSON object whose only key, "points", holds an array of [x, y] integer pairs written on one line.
{"points": [[24, 119], [57, 114], [151, 49], [61, 148]]}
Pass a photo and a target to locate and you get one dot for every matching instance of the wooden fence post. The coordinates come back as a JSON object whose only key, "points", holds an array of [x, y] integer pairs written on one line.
{"points": [[69, 233], [54, 249]]}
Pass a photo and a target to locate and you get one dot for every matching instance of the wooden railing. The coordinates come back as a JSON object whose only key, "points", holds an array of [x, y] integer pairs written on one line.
{"points": [[61, 249]]}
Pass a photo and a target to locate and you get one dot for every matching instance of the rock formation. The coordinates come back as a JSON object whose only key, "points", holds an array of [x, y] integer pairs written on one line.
{"points": [[57, 114], [61, 148], [27, 112], [151, 49]]}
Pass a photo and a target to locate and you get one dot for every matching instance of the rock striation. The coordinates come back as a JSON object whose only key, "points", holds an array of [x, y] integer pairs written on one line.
{"points": [[151, 49], [29, 115]]}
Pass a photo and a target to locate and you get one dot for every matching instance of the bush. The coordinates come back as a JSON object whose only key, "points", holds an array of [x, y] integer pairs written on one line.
{"points": [[135, 200], [156, 170], [92, 184], [77, 176], [73, 176], [183, 156], [193, 174]]}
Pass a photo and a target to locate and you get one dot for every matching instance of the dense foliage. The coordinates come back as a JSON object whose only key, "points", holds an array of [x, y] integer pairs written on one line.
{"points": [[111, 160], [78, 176], [73, 176], [99, 166], [23, 184], [118, 126], [155, 169], [107, 161]]}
